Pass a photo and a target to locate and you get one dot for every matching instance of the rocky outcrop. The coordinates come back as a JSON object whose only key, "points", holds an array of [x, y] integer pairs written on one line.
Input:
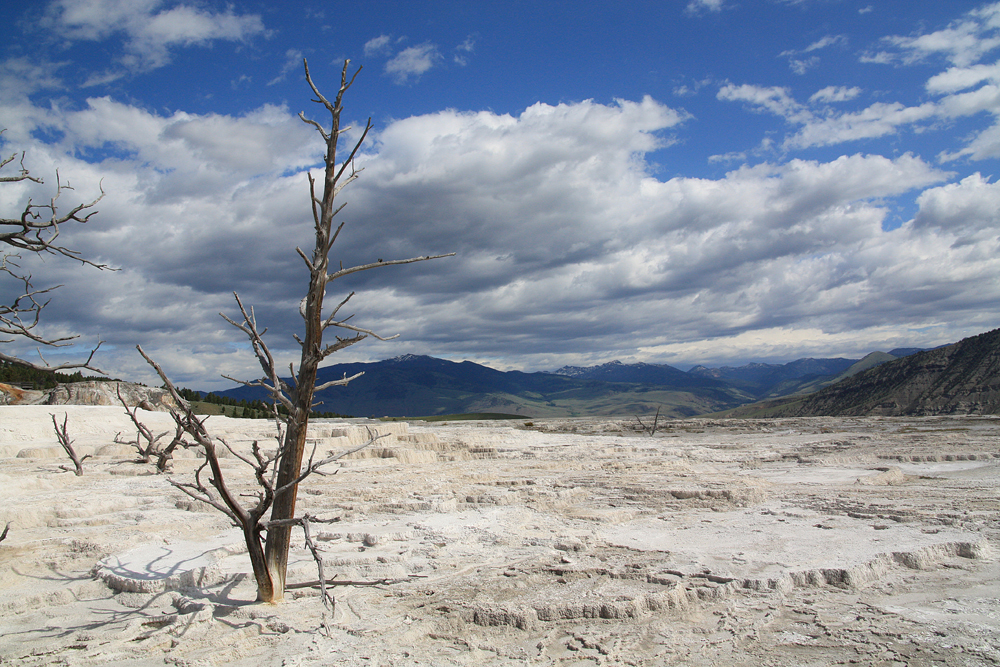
{"points": [[90, 393], [958, 379]]}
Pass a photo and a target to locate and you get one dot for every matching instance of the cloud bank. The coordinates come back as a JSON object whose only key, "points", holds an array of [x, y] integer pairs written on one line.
{"points": [[572, 246]]}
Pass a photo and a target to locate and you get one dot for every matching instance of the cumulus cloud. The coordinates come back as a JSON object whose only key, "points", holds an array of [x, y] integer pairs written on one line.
{"points": [[151, 28], [571, 244], [410, 63], [566, 241], [967, 207]]}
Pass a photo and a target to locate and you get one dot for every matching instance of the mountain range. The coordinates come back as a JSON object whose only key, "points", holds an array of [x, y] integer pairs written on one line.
{"points": [[416, 385], [961, 378]]}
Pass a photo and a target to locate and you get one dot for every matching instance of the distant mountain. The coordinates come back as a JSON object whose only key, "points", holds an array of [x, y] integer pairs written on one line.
{"points": [[656, 374], [962, 378], [775, 379], [413, 385]]}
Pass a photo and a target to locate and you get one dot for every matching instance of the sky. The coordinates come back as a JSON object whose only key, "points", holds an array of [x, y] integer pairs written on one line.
{"points": [[680, 182]]}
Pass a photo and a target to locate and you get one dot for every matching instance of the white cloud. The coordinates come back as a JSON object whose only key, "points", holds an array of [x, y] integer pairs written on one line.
{"points": [[566, 240], [967, 207], [411, 62], [463, 50], [829, 40], [963, 42], [151, 29], [874, 121], [955, 79], [699, 6], [835, 94], [802, 66], [776, 99], [377, 45], [293, 61]]}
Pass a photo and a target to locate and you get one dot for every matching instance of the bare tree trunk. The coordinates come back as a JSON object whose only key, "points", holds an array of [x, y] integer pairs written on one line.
{"points": [[270, 563], [279, 537]]}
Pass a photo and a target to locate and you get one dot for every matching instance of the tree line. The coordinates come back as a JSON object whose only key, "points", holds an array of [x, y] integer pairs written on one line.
{"points": [[21, 375], [244, 409]]}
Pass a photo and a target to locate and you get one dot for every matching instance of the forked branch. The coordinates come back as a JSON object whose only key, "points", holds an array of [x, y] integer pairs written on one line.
{"points": [[36, 229], [147, 450], [67, 445]]}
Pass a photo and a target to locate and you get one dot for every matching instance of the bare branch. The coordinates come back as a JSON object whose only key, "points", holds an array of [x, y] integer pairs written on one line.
{"points": [[379, 264], [343, 382], [652, 429], [272, 382], [36, 230], [314, 467], [165, 456], [328, 600], [67, 445], [142, 432]]}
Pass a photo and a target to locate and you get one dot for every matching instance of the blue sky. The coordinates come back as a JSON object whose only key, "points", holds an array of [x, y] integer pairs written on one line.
{"points": [[702, 181]]}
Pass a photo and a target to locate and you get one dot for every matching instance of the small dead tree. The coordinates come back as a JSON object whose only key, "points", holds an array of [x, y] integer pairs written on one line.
{"points": [[250, 519], [36, 230], [67, 445], [651, 429], [146, 451], [145, 442], [279, 493], [3, 535]]}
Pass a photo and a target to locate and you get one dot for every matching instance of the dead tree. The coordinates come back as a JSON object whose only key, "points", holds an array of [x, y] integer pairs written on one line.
{"points": [[656, 419], [67, 445], [36, 230], [145, 442], [249, 519], [166, 455], [296, 393]]}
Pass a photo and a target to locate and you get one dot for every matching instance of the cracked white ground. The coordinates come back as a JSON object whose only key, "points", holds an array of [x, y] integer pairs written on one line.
{"points": [[821, 541]]}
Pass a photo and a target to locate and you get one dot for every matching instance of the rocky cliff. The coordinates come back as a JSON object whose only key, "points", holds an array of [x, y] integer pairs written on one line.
{"points": [[962, 378], [90, 393]]}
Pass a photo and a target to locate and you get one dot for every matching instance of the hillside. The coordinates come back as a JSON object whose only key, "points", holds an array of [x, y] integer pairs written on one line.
{"points": [[962, 378], [414, 385]]}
